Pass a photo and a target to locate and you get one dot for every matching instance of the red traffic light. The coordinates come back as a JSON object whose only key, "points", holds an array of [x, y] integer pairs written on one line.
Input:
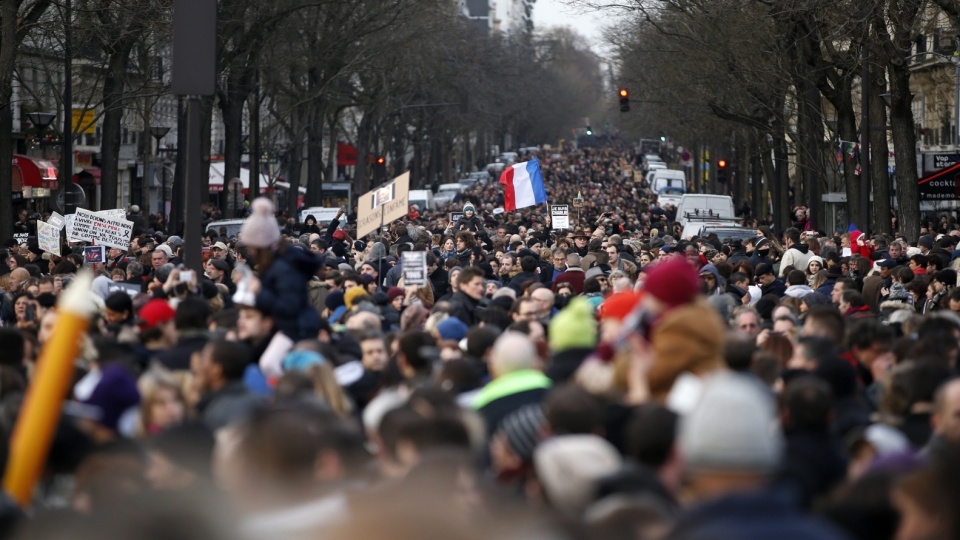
{"points": [[722, 164], [624, 92], [381, 160]]}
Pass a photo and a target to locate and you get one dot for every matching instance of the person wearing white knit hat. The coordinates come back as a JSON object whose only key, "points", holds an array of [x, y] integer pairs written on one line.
{"points": [[281, 286]]}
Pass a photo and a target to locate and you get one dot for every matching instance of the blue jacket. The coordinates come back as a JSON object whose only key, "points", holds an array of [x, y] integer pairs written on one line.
{"points": [[283, 291], [765, 514]]}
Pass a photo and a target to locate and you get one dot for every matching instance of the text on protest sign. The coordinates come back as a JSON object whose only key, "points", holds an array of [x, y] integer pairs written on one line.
{"points": [[48, 238], [68, 225], [415, 268], [105, 231], [560, 216]]}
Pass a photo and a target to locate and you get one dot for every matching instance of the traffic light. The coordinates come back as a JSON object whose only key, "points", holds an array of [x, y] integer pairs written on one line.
{"points": [[722, 171], [589, 130], [380, 169], [624, 100], [663, 138]]}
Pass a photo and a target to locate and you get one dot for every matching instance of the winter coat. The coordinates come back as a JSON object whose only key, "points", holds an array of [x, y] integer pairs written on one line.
{"points": [[283, 291], [771, 513], [464, 308]]}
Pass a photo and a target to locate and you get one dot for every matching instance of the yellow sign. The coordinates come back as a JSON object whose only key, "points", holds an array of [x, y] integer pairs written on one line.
{"points": [[84, 121]]}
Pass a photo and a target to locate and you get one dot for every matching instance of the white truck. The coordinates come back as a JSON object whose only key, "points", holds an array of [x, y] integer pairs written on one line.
{"points": [[708, 208]]}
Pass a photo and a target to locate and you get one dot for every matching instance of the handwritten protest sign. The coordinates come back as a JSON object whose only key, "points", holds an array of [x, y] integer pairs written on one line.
{"points": [[56, 220], [383, 205], [68, 224], [103, 230], [48, 238], [118, 214]]}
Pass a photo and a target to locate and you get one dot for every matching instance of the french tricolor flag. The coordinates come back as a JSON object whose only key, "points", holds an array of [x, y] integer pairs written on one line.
{"points": [[522, 186]]}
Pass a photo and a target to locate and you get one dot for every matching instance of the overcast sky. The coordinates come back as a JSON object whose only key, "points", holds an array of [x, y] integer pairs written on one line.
{"points": [[558, 13]]}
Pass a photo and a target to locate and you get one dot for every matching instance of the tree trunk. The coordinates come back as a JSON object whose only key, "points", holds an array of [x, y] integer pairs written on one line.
{"points": [[905, 151], [757, 195], [361, 184], [113, 93], [9, 44], [741, 176], [879, 155], [315, 155], [295, 156], [330, 174]]}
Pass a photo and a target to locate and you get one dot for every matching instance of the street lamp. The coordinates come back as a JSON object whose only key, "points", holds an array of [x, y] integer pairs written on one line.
{"points": [[158, 133]]}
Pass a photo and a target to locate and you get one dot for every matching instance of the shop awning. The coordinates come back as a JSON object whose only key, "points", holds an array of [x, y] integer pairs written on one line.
{"points": [[33, 172]]}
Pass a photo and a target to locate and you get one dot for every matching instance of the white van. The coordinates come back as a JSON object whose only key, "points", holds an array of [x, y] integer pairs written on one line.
{"points": [[700, 206], [446, 193], [664, 178], [421, 198]]}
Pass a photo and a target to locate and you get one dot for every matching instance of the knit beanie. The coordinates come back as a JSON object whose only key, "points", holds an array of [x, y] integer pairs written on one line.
{"points": [[351, 295], [452, 329], [522, 429], [674, 282], [618, 305], [569, 467], [733, 427], [574, 327], [260, 230], [469, 208], [688, 338]]}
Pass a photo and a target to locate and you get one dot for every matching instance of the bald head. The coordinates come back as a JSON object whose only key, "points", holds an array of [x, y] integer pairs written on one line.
{"points": [[512, 352], [573, 259], [946, 413], [18, 276]]}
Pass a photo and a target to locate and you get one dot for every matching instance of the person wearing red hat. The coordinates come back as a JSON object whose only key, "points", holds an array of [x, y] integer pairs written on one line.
{"points": [[157, 329]]}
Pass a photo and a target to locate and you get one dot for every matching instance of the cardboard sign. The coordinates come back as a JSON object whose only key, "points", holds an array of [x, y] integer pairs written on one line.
{"points": [[48, 238], [415, 268], [455, 217], [68, 225], [21, 237], [101, 229], [560, 216], [130, 288], [383, 206], [56, 220], [94, 254]]}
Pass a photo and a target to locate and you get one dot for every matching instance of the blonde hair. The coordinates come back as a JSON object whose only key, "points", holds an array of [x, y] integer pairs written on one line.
{"points": [[150, 384]]}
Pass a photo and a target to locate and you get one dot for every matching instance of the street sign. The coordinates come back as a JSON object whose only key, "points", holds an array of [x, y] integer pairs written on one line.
{"points": [[560, 216]]}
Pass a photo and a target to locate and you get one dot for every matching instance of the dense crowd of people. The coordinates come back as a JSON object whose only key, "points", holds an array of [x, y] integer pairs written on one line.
{"points": [[608, 381]]}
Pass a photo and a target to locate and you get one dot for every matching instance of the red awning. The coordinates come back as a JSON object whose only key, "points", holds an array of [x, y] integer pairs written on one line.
{"points": [[89, 175], [33, 172], [346, 154]]}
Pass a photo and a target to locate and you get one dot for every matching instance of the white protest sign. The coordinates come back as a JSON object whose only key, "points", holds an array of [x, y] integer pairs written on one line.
{"points": [[560, 216], [21, 238], [415, 268], [68, 224], [102, 230], [56, 220], [48, 238], [117, 214]]}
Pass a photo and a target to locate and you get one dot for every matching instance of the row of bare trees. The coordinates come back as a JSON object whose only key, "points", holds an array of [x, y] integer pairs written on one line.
{"points": [[393, 77], [778, 85]]}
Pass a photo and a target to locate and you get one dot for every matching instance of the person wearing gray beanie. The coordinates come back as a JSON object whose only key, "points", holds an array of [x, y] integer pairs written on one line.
{"points": [[731, 447]]}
